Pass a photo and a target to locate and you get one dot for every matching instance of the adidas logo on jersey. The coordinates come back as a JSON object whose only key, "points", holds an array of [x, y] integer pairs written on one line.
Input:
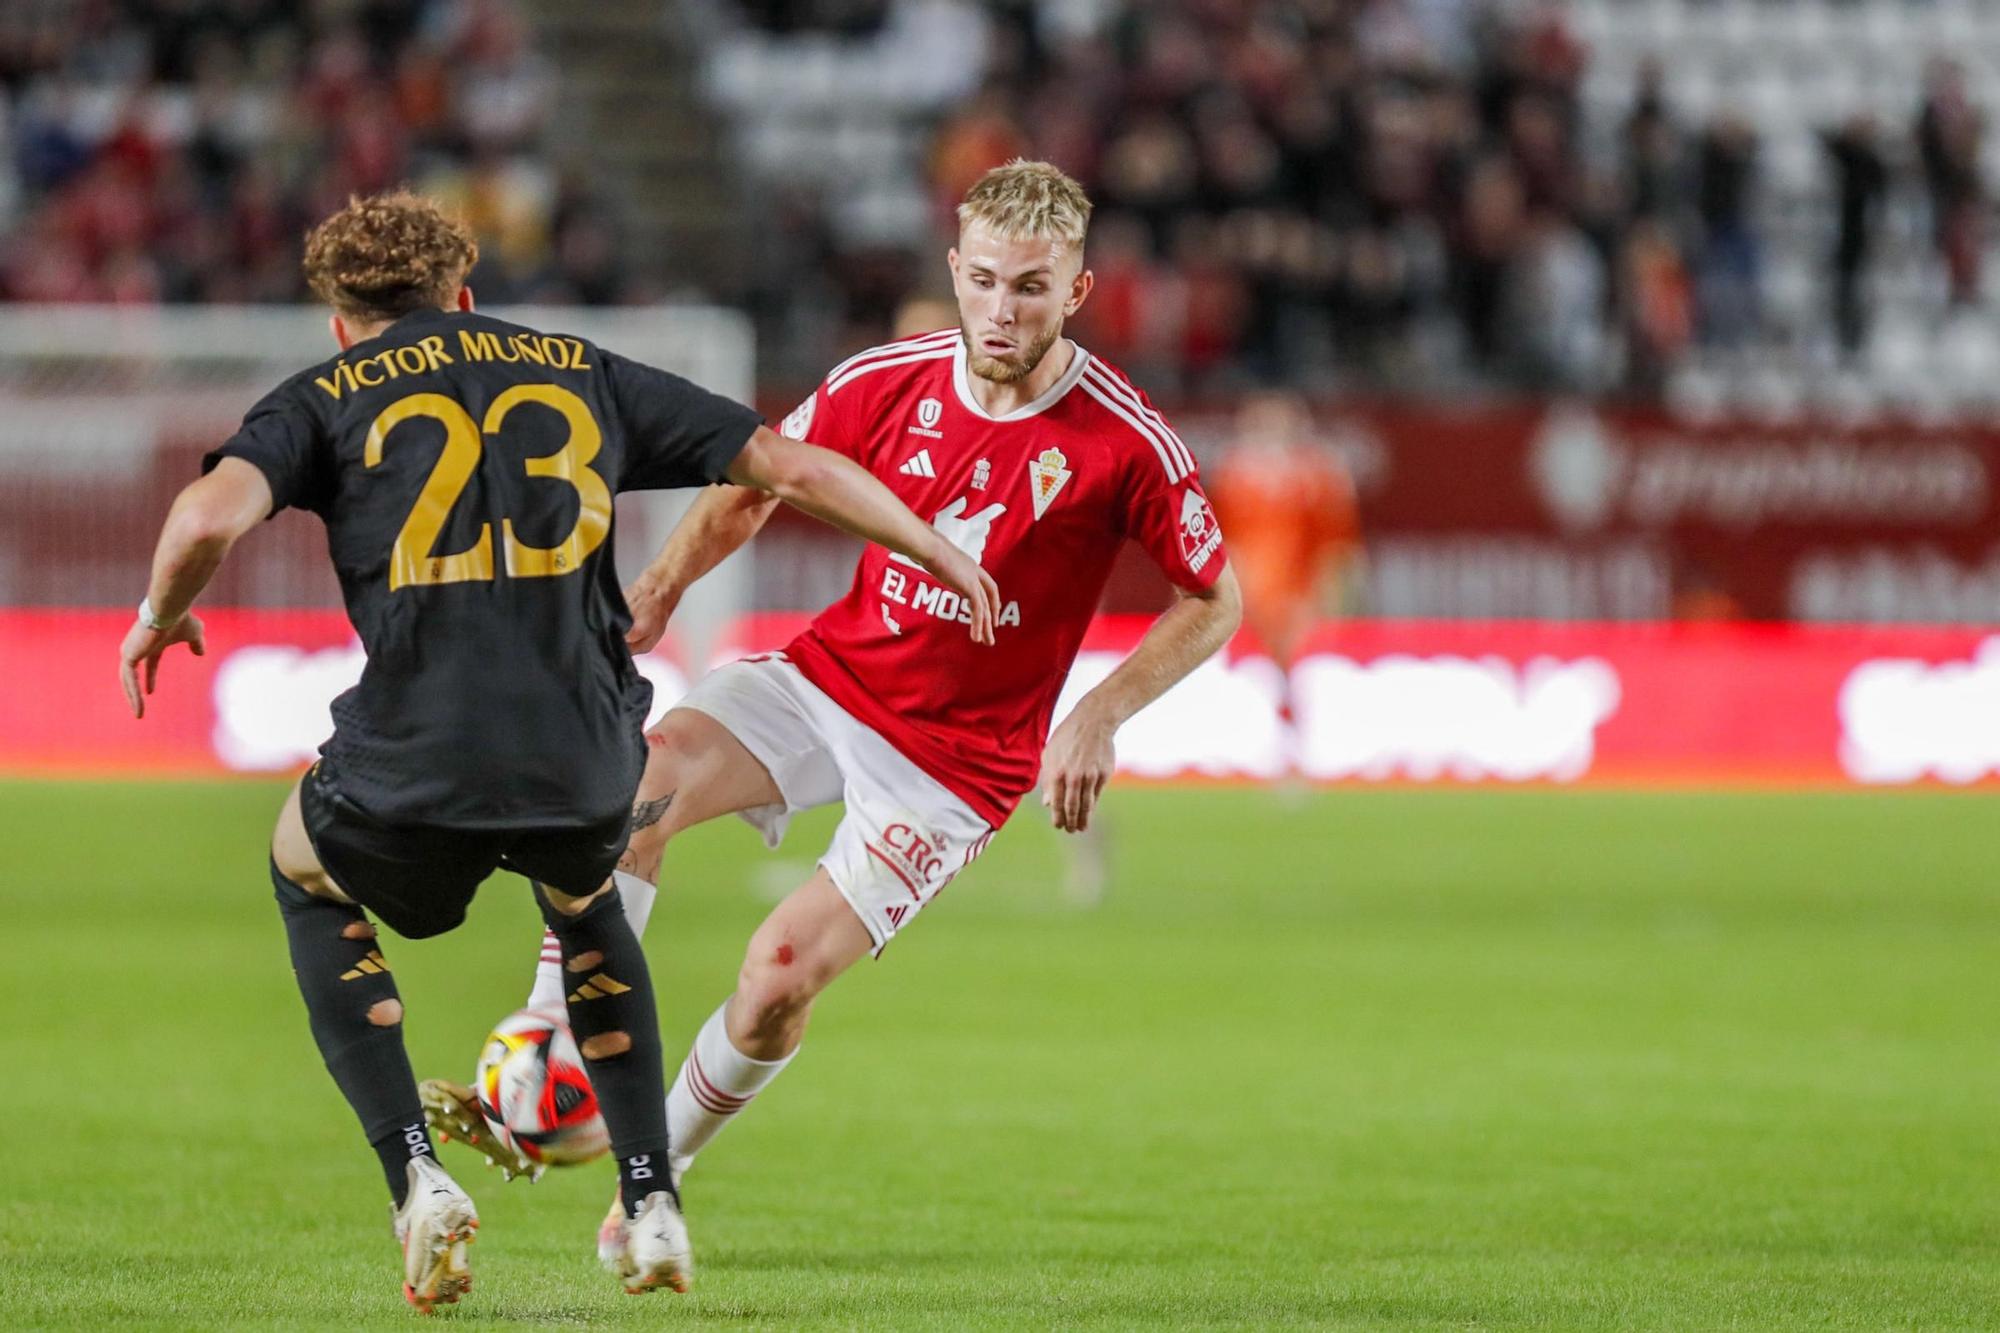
{"points": [[918, 465]]}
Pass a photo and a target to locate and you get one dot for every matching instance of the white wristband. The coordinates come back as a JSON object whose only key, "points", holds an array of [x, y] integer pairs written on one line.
{"points": [[150, 620]]}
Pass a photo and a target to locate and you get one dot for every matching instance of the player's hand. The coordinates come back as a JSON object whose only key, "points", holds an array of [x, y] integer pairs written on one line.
{"points": [[143, 646], [1076, 766], [962, 574], [652, 607]]}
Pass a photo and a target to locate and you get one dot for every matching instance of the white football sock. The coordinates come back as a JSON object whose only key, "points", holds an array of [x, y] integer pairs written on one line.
{"points": [[636, 895], [716, 1081]]}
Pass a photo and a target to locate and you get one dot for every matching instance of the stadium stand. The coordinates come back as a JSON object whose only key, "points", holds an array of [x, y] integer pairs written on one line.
{"points": [[1730, 205], [174, 150]]}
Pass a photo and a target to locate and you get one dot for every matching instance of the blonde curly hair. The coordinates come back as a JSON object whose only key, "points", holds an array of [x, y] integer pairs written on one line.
{"points": [[385, 255]]}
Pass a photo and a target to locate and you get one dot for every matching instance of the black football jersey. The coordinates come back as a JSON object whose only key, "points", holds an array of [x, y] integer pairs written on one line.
{"points": [[465, 469]]}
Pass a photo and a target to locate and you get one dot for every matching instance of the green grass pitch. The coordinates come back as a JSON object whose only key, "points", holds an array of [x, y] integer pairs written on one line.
{"points": [[1361, 1059]]}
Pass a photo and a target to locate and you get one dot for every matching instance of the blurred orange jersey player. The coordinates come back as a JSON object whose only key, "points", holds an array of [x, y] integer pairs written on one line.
{"points": [[1288, 506]]}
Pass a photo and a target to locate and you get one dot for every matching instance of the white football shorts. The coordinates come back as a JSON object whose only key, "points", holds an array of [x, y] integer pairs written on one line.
{"points": [[904, 836]]}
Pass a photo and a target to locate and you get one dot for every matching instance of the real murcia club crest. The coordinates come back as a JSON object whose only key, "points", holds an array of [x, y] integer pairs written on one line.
{"points": [[982, 472], [1047, 475]]}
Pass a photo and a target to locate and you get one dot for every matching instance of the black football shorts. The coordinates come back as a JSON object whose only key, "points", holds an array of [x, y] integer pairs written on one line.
{"points": [[419, 880]]}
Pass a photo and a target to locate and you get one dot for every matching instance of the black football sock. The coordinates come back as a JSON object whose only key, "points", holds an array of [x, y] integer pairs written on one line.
{"points": [[610, 992], [344, 978]]}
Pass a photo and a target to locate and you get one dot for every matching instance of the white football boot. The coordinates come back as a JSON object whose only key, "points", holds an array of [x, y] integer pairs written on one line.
{"points": [[452, 1112], [611, 1232], [434, 1225], [656, 1252]]}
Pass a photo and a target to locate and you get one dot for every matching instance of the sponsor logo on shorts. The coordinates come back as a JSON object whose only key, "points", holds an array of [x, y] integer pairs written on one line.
{"points": [[915, 856]]}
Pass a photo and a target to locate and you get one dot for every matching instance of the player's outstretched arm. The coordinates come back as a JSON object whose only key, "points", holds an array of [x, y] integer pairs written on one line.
{"points": [[1080, 755], [205, 521], [721, 519], [834, 488]]}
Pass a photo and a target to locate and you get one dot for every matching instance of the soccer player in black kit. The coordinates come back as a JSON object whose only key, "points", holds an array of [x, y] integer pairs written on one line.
{"points": [[465, 468]]}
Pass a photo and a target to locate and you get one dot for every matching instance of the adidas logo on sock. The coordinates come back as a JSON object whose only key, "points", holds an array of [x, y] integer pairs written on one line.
{"points": [[919, 465], [598, 987], [373, 965]]}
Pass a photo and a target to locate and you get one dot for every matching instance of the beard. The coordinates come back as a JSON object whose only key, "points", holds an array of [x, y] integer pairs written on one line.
{"points": [[1009, 370]]}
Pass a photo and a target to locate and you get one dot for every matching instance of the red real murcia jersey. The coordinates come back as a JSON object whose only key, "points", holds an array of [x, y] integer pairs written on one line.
{"points": [[1043, 498]]}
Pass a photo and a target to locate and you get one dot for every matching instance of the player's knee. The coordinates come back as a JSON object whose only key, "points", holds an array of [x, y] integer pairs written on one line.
{"points": [[774, 994], [672, 764], [315, 883], [606, 1045], [303, 890], [560, 908], [386, 1013], [677, 735]]}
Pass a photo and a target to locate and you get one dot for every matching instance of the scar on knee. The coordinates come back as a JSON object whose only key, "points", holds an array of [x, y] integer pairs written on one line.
{"points": [[583, 962], [386, 1013], [783, 957], [360, 930], [605, 1045]]}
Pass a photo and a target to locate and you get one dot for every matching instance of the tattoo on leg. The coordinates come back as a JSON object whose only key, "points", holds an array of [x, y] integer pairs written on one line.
{"points": [[648, 813]]}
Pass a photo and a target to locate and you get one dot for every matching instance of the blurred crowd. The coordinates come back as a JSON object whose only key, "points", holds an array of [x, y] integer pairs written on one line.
{"points": [[1331, 194], [1414, 192], [1411, 194], [176, 150]]}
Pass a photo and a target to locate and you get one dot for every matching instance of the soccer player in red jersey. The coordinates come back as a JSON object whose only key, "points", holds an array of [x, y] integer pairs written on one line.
{"points": [[1037, 460]]}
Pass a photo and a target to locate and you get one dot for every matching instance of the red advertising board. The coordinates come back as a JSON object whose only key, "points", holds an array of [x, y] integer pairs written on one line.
{"points": [[1571, 511], [1582, 512], [1367, 701]]}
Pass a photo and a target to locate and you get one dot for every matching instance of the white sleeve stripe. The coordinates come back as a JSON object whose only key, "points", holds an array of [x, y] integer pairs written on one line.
{"points": [[1131, 398], [895, 348], [1124, 390], [1089, 386], [1182, 459], [936, 354], [944, 337]]}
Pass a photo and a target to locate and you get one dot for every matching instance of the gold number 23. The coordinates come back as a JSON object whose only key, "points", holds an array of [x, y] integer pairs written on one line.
{"points": [[411, 560]]}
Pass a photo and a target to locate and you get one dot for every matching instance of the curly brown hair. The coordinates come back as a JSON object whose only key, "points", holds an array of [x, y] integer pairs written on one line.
{"points": [[385, 255]]}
